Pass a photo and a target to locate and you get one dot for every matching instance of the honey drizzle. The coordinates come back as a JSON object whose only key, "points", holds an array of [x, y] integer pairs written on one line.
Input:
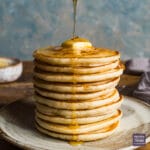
{"points": [[74, 123], [74, 17]]}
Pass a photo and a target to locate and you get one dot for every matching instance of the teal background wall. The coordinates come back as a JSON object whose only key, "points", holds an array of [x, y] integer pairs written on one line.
{"points": [[29, 24]]}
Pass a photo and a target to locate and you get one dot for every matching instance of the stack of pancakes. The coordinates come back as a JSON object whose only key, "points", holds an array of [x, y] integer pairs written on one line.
{"points": [[76, 98]]}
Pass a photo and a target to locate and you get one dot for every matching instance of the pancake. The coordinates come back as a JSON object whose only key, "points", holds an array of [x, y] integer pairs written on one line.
{"points": [[55, 77], [77, 70], [82, 88], [79, 105], [96, 135], [65, 56], [82, 129], [68, 121], [106, 109], [72, 96]]}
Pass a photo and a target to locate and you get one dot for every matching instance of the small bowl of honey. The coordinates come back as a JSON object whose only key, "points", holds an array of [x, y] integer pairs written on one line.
{"points": [[10, 69]]}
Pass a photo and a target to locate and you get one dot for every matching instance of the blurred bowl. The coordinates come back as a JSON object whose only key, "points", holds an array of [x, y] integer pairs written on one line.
{"points": [[10, 69]]}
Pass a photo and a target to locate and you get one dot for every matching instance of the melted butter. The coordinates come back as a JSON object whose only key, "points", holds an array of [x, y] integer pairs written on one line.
{"points": [[77, 45]]}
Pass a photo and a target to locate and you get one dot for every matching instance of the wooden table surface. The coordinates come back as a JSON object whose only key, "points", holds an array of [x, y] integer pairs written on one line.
{"points": [[23, 88]]}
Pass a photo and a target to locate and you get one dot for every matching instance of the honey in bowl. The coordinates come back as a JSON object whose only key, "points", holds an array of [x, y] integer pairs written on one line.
{"points": [[4, 63], [10, 69]]}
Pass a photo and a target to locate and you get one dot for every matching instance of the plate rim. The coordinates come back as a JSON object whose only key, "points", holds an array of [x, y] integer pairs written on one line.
{"points": [[19, 144]]}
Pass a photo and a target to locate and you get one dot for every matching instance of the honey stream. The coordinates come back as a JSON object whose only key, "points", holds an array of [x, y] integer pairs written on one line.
{"points": [[74, 17], [74, 126], [74, 123]]}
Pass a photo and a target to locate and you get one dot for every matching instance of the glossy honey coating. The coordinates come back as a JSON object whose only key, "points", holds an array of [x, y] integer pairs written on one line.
{"points": [[76, 47]]}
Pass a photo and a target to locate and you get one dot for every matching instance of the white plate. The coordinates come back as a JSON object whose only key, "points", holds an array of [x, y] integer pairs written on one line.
{"points": [[17, 126]]}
